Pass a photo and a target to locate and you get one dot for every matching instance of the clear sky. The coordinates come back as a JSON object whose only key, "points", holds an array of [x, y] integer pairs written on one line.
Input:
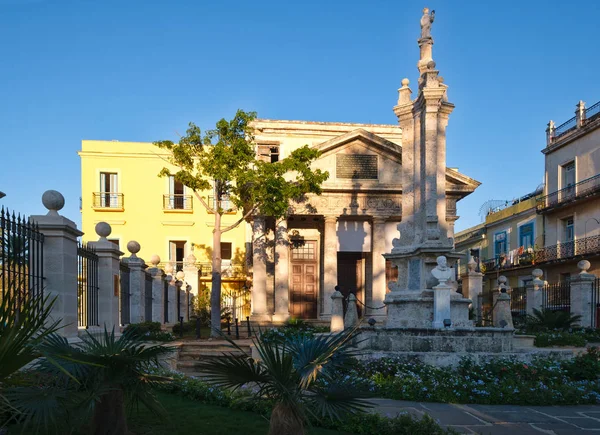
{"points": [[140, 70]]}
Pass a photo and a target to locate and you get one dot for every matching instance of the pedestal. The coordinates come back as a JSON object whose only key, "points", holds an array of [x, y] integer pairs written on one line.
{"points": [[441, 306]]}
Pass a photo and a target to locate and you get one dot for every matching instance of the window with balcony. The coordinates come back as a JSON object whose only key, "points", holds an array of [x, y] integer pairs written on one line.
{"points": [[526, 235], [568, 229], [108, 196], [177, 199], [177, 253], [500, 243], [568, 180]]}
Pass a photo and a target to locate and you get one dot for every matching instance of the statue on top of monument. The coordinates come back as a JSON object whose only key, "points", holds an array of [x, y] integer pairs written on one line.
{"points": [[426, 21]]}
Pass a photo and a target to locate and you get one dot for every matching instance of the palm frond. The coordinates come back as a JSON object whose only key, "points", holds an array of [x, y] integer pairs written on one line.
{"points": [[233, 371], [337, 399]]}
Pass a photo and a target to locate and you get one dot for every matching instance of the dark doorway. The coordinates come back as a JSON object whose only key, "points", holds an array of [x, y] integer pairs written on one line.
{"points": [[350, 276]]}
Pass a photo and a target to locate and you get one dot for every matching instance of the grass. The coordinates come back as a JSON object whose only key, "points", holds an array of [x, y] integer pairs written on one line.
{"points": [[192, 417]]}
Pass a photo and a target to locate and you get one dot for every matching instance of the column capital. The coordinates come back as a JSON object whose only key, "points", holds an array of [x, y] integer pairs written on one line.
{"points": [[330, 218], [378, 220]]}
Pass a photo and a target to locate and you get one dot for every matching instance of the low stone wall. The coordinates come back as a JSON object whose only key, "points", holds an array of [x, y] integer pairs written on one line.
{"points": [[469, 340]]}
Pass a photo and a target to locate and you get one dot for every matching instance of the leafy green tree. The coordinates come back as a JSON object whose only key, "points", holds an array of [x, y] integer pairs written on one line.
{"points": [[222, 161], [300, 375]]}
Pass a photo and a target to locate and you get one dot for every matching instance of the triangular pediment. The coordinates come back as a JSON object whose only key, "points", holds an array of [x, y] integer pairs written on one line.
{"points": [[364, 138]]}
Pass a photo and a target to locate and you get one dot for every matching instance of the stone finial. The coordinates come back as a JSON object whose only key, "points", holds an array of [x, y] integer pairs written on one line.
{"points": [[472, 265], [133, 247], [180, 275], [583, 266], [190, 259], [54, 201], [405, 82], [537, 273], [154, 260], [169, 268], [431, 65], [103, 229], [502, 280]]}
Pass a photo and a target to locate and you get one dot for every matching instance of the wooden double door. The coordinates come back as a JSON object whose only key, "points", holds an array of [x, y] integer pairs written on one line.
{"points": [[304, 280]]}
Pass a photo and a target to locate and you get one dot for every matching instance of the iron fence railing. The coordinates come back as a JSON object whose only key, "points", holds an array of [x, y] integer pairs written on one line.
{"points": [[166, 301], [580, 190], [148, 297], [595, 305], [565, 127], [21, 258], [557, 296], [125, 296], [177, 202], [592, 112], [108, 200], [518, 301], [87, 286]]}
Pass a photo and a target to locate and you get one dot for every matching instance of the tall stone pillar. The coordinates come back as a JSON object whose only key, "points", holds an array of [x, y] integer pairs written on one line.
{"points": [[158, 291], [137, 283], [329, 265], [108, 278], [379, 288], [60, 262], [582, 286], [191, 277], [473, 288], [259, 277], [282, 303], [172, 294], [180, 295], [534, 292]]}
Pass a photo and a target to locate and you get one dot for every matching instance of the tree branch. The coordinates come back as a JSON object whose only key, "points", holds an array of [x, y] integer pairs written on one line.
{"points": [[243, 218], [204, 203]]}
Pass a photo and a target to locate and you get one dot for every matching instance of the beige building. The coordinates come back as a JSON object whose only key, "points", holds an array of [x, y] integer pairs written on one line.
{"points": [[339, 237]]}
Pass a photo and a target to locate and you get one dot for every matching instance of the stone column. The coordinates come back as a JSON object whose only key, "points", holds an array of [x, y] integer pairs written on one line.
{"points": [[137, 283], [472, 283], [191, 277], [580, 113], [534, 292], [60, 262], [337, 312], [329, 264], [502, 315], [379, 288], [282, 303], [180, 301], [259, 278], [158, 291], [582, 286], [108, 279], [172, 293]]}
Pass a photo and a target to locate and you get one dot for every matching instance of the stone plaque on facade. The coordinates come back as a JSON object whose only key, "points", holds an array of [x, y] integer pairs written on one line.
{"points": [[352, 166]]}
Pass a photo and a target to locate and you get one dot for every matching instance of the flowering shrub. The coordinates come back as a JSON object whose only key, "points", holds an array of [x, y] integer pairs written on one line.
{"points": [[501, 381], [559, 338]]}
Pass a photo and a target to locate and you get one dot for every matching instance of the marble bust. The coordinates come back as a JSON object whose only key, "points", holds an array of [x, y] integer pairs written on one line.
{"points": [[442, 272]]}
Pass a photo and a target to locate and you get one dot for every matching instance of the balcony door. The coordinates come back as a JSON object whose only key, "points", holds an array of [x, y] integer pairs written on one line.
{"points": [[109, 189], [567, 247], [568, 181], [177, 199]]}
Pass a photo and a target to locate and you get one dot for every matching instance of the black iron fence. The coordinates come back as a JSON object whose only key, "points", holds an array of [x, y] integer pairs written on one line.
{"points": [[557, 296], [125, 296], [596, 303], [148, 297], [87, 286], [177, 202], [580, 190], [21, 257], [166, 300], [518, 301]]}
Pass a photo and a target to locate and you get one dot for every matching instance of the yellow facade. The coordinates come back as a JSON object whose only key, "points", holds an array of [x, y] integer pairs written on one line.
{"points": [[120, 185]]}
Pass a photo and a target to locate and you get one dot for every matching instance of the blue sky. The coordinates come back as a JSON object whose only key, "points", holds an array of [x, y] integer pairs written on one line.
{"points": [[141, 70]]}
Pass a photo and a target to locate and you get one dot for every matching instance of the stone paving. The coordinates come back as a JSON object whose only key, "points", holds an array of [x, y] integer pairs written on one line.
{"points": [[501, 419]]}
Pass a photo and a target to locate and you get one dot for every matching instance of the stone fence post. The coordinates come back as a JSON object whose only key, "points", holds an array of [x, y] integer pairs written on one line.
{"points": [[60, 262], [351, 318], [181, 288], [108, 279], [172, 292], [191, 274], [473, 288], [137, 283], [337, 312], [158, 291], [502, 315], [534, 292], [582, 286]]}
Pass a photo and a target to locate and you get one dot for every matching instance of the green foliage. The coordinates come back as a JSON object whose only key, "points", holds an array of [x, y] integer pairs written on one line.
{"points": [[80, 380], [585, 367], [559, 338], [293, 328], [150, 331], [406, 424], [544, 320]]}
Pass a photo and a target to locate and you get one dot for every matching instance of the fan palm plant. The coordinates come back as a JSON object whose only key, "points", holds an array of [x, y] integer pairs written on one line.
{"points": [[24, 322], [101, 376], [545, 319], [300, 375]]}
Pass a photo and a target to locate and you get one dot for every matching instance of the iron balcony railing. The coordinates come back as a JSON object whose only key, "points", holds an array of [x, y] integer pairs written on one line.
{"points": [[177, 202], [583, 189], [226, 204], [590, 114], [561, 251], [108, 200]]}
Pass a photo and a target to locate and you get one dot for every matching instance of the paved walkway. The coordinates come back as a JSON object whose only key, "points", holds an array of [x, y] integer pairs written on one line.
{"points": [[501, 419]]}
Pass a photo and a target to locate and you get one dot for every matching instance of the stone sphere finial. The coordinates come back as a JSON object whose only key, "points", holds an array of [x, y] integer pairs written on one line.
{"points": [[103, 229], [154, 260], [190, 259], [502, 280], [180, 275], [405, 82], [583, 266], [133, 247], [169, 268], [54, 201], [537, 273], [431, 65]]}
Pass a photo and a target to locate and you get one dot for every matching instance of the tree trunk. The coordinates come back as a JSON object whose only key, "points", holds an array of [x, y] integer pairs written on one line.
{"points": [[215, 294], [285, 422], [109, 415]]}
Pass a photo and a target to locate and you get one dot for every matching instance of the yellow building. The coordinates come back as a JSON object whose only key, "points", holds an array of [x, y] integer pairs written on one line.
{"points": [[120, 185]]}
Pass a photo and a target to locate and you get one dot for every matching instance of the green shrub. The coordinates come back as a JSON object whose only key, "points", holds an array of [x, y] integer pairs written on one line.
{"points": [[585, 367], [559, 338], [545, 320], [149, 331]]}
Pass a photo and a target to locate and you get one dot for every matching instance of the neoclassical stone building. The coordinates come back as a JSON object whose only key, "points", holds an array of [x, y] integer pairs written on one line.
{"points": [[337, 238]]}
